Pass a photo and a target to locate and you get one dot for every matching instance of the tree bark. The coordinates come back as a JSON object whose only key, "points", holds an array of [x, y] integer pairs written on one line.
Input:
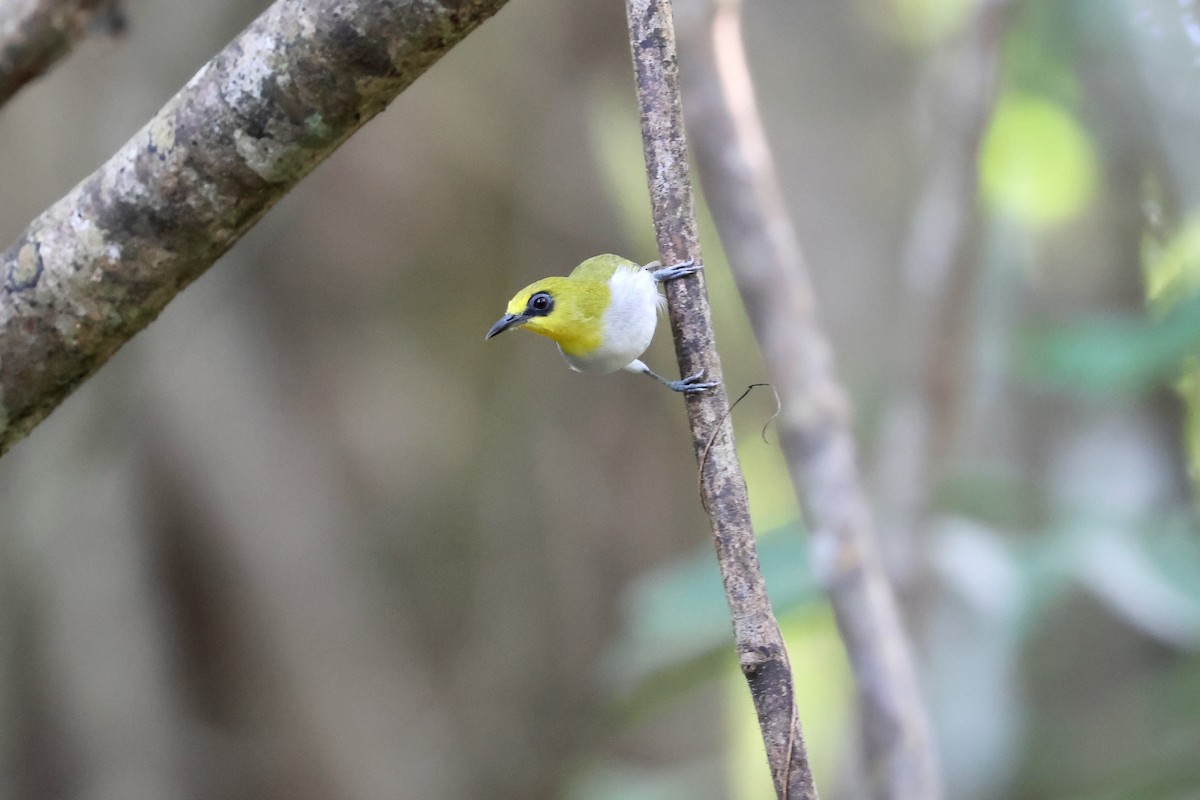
{"points": [[102, 262], [760, 645]]}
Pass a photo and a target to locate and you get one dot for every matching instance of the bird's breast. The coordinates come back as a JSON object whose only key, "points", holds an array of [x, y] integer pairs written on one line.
{"points": [[628, 323]]}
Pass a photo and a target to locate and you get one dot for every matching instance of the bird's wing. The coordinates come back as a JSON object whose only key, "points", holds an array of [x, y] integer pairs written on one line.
{"points": [[601, 268]]}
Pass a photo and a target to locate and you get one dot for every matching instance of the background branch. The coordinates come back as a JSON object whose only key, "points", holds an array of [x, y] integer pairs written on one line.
{"points": [[814, 425], [760, 646], [940, 263], [102, 262], [34, 34]]}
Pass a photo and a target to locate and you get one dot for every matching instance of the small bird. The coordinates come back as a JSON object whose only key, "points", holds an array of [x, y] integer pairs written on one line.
{"points": [[602, 315]]}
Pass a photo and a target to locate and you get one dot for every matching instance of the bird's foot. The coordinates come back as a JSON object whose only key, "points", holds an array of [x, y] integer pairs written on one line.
{"points": [[689, 267], [692, 384]]}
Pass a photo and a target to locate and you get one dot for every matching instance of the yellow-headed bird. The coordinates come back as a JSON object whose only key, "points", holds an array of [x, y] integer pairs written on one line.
{"points": [[602, 315]]}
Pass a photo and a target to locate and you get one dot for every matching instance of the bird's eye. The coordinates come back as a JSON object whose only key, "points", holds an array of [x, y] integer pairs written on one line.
{"points": [[541, 303]]}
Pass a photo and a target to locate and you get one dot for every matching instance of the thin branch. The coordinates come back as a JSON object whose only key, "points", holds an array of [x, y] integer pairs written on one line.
{"points": [[760, 645], [102, 262], [814, 426], [34, 34]]}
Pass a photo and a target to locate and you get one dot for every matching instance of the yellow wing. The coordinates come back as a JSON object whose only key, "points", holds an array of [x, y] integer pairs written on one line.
{"points": [[601, 268]]}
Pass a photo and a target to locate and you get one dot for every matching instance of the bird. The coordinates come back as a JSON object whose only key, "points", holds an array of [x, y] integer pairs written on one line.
{"points": [[602, 315]]}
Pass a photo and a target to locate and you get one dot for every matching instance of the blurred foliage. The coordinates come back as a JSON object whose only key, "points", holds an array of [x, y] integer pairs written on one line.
{"points": [[1041, 47], [1036, 163], [1171, 267], [1115, 354], [922, 23], [1172, 274]]}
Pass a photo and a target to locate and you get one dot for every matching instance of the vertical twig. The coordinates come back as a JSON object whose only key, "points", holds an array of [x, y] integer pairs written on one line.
{"points": [[760, 646], [814, 426]]}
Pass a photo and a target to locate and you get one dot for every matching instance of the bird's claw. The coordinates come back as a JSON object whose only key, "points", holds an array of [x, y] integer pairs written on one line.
{"points": [[692, 384], [689, 267]]}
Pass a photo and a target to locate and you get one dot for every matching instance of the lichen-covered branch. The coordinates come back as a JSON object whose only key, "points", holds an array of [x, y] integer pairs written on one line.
{"points": [[814, 424], [102, 262], [760, 646], [34, 34]]}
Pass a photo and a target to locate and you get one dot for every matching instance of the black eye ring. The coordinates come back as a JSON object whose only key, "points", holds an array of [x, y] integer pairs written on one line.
{"points": [[541, 303]]}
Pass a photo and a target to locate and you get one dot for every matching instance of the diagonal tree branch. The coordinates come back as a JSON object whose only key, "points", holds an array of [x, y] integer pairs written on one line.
{"points": [[34, 34], [760, 645], [102, 262], [814, 425]]}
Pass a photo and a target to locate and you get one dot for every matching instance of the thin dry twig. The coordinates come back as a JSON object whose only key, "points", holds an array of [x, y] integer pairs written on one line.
{"points": [[34, 34], [101, 263], [717, 429], [814, 427], [760, 646]]}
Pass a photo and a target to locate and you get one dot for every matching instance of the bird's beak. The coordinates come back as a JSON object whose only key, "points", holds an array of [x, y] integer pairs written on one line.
{"points": [[504, 323]]}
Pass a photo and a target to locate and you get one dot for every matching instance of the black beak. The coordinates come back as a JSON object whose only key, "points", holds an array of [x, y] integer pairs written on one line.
{"points": [[504, 323]]}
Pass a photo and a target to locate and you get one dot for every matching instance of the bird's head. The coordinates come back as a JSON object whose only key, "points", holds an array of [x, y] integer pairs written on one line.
{"points": [[568, 310]]}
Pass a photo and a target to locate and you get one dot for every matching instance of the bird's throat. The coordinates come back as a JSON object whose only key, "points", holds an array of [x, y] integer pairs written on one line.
{"points": [[576, 341]]}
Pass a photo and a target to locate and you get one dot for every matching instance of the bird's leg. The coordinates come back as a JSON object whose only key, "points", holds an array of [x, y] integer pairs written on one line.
{"points": [[689, 385], [689, 267]]}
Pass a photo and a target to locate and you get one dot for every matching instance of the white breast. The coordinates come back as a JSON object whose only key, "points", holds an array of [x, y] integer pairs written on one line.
{"points": [[628, 323]]}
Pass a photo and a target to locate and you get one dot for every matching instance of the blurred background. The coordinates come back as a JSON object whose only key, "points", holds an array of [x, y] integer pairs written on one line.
{"points": [[308, 536]]}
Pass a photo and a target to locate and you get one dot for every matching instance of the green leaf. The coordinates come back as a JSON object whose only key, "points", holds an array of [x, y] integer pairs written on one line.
{"points": [[1114, 354]]}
